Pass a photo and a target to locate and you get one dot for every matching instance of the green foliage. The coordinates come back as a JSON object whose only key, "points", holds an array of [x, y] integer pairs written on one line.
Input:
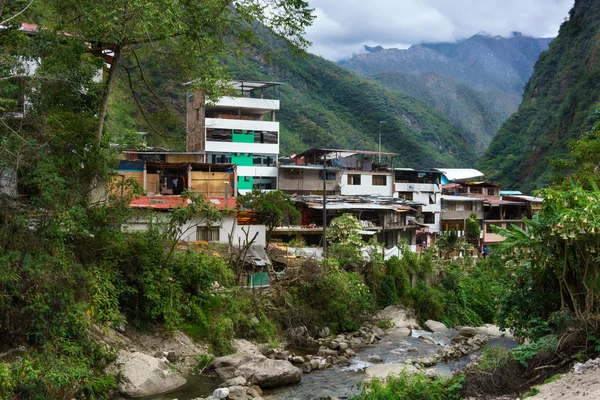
{"points": [[203, 361], [412, 387], [273, 208], [62, 369], [524, 352], [472, 228]]}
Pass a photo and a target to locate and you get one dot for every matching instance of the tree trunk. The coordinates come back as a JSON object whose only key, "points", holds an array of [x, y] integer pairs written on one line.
{"points": [[110, 83]]}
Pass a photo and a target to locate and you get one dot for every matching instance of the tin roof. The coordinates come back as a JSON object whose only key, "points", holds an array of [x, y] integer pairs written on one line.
{"points": [[170, 202]]}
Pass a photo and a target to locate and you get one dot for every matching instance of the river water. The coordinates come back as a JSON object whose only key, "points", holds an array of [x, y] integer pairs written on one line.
{"points": [[342, 382]]}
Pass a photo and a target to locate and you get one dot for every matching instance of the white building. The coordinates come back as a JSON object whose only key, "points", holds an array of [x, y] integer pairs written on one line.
{"points": [[239, 130]]}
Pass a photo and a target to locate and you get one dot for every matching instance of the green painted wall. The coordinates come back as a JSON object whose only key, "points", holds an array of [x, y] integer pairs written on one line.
{"points": [[245, 137], [243, 185], [242, 159], [261, 279]]}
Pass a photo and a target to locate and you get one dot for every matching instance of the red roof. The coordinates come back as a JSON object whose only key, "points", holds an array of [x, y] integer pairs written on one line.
{"points": [[170, 202]]}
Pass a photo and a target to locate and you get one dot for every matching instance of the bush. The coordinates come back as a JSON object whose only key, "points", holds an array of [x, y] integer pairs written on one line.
{"points": [[412, 387]]}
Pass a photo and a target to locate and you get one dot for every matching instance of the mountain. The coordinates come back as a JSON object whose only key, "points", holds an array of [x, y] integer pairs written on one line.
{"points": [[558, 104], [478, 114], [322, 105], [482, 62]]}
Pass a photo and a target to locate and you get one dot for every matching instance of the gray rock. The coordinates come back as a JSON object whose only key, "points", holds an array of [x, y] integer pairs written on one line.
{"points": [[298, 332], [412, 350], [298, 360], [343, 361], [282, 355], [375, 359], [307, 367], [173, 356], [467, 331], [343, 346], [237, 381], [221, 393], [334, 345], [251, 392], [350, 352], [237, 393], [325, 352], [143, 375], [257, 369], [435, 326], [323, 333]]}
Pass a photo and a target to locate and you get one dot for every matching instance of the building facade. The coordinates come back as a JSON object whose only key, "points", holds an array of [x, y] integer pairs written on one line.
{"points": [[239, 129]]}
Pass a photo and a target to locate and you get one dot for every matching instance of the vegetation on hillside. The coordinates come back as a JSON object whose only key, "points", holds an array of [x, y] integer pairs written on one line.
{"points": [[478, 114], [322, 105], [558, 105]]}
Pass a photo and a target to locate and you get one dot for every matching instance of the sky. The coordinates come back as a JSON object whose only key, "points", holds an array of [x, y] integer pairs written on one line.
{"points": [[343, 27]]}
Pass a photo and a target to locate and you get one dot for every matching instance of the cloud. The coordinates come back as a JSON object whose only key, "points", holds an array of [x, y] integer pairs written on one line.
{"points": [[343, 27]]}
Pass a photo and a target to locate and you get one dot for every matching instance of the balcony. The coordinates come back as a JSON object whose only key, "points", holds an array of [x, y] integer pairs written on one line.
{"points": [[416, 187], [260, 106]]}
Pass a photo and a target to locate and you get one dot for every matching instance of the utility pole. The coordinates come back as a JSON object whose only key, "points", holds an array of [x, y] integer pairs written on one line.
{"points": [[324, 205], [380, 123]]}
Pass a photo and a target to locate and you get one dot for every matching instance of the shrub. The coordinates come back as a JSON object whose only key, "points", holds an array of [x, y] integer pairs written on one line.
{"points": [[411, 387]]}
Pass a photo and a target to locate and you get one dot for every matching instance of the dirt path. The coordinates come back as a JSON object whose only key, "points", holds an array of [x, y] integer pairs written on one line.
{"points": [[584, 385]]}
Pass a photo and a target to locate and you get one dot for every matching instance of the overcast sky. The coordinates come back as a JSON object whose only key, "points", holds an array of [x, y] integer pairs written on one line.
{"points": [[343, 27]]}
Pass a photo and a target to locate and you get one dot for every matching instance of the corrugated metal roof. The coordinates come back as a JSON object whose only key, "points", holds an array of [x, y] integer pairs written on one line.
{"points": [[458, 174], [340, 202], [460, 198], [169, 202]]}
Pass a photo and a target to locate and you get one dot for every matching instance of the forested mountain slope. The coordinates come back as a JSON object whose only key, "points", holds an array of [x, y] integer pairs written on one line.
{"points": [[322, 104], [478, 114], [558, 105], [482, 62]]}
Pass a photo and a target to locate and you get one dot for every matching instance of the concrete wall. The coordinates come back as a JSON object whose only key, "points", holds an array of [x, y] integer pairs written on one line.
{"points": [[246, 102], [228, 227], [366, 186], [305, 180]]}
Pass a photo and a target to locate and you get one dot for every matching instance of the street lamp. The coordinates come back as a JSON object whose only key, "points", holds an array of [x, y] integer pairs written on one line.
{"points": [[380, 123]]}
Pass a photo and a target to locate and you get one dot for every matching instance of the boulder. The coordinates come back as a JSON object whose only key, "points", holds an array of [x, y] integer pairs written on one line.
{"points": [[467, 331], [237, 381], [221, 393], [143, 375], [237, 393], [257, 369], [323, 333], [375, 359], [298, 360], [435, 326], [325, 352]]}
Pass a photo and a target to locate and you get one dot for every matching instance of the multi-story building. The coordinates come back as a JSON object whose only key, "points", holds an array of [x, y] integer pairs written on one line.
{"points": [[346, 172], [239, 129]]}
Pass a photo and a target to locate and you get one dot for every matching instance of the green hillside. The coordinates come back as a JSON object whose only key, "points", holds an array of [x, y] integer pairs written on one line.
{"points": [[322, 104], [478, 114], [558, 105]]}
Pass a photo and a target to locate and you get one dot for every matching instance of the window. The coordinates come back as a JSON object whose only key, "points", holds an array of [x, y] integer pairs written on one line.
{"points": [[265, 137], [330, 176], [353, 179], [490, 191], [379, 180], [218, 135], [468, 206], [476, 190], [406, 195], [207, 234], [428, 218], [431, 198]]}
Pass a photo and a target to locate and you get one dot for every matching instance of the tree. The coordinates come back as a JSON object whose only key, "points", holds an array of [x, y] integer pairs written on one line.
{"points": [[191, 35], [472, 228], [272, 207]]}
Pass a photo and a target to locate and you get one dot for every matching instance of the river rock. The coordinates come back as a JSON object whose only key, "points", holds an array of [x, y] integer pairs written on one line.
{"points": [[325, 352], [343, 361], [143, 375], [252, 392], [257, 369], [298, 360], [237, 381], [237, 393], [435, 326], [306, 367], [343, 346], [282, 355], [467, 331], [375, 359], [382, 371], [221, 393], [323, 333]]}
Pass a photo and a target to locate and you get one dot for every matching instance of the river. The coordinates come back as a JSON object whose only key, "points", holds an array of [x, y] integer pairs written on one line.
{"points": [[342, 382]]}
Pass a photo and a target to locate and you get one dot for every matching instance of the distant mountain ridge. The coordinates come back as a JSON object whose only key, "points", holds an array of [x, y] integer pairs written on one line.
{"points": [[479, 114], [482, 62]]}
